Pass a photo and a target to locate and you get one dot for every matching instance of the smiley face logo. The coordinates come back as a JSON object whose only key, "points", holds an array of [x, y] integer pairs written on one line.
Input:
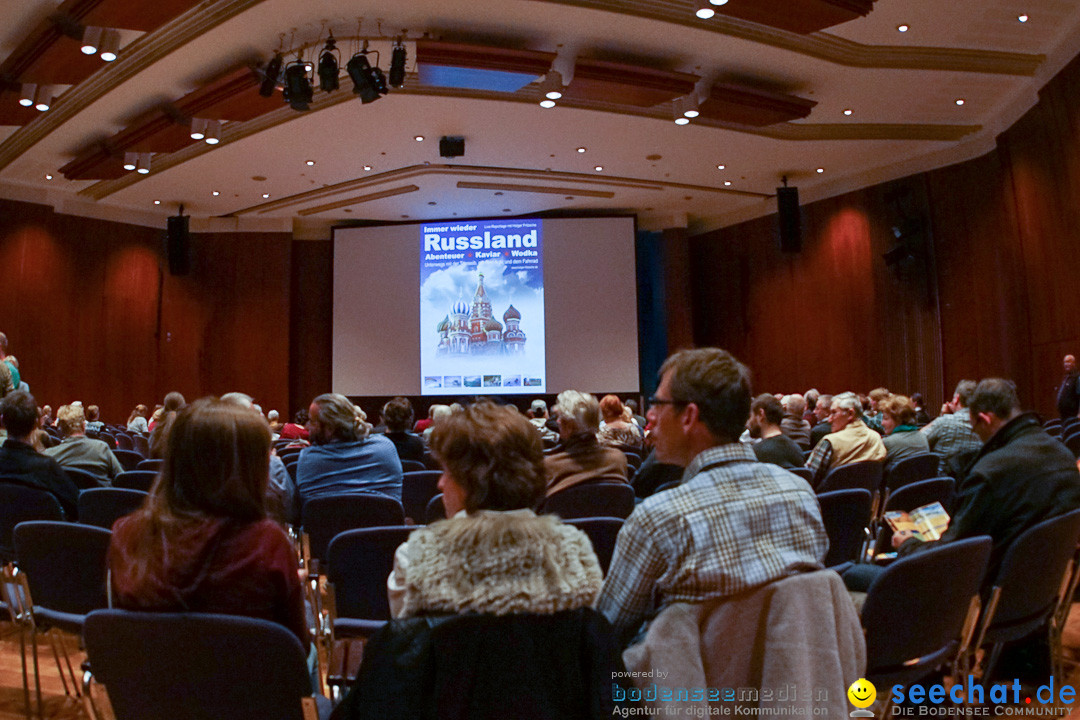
{"points": [[862, 693]]}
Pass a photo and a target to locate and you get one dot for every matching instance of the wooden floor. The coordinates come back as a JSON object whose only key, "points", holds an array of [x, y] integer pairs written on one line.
{"points": [[63, 707]]}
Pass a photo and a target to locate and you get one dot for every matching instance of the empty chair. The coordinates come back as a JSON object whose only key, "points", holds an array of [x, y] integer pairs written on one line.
{"points": [[413, 466], [82, 479], [596, 499], [911, 497], [846, 516], [435, 510], [129, 459], [19, 503], [141, 445], [149, 464], [123, 442], [417, 489], [199, 666], [911, 469], [357, 565], [602, 532], [865, 475], [102, 507], [1029, 587], [325, 517], [135, 480], [906, 639]]}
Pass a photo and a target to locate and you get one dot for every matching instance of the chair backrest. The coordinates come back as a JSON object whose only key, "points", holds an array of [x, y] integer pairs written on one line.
{"points": [[129, 459], [135, 480], [324, 517], [123, 442], [435, 510], [915, 609], [804, 472], [1030, 576], [82, 479], [64, 564], [865, 475], [633, 458], [19, 503], [162, 666], [602, 532], [102, 507], [413, 466], [1073, 443], [358, 563], [417, 489], [594, 499], [150, 464], [916, 494], [911, 469], [846, 515], [141, 445], [667, 486]]}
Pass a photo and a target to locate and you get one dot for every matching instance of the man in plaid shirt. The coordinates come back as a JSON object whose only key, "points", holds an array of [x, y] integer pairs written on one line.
{"points": [[733, 524]]}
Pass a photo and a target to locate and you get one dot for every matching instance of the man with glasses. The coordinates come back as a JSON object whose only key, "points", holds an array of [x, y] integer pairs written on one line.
{"points": [[850, 441], [733, 524]]}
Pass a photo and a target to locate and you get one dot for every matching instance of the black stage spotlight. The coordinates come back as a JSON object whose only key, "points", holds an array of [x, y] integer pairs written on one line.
{"points": [[270, 77], [298, 90], [368, 81], [329, 66], [397, 65]]}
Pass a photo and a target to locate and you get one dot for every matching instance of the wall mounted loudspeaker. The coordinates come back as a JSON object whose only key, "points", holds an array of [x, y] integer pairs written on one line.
{"points": [[178, 245], [451, 147], [789, 219]]}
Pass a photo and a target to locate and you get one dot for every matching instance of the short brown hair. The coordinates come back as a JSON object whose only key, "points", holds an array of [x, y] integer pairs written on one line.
{"points": [[774, 411], [717, 383], [398, 414], [899, 408], [494, 454], [879, 394]]}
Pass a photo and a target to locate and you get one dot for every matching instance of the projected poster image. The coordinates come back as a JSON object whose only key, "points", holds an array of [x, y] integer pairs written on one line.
{"points": [[482, 308]]}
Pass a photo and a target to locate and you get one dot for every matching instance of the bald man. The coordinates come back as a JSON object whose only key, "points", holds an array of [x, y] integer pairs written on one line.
{"points": [[1068, 398]]}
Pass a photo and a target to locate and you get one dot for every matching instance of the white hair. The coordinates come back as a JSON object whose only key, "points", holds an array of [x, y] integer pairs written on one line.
{"points": [[580, 409]]}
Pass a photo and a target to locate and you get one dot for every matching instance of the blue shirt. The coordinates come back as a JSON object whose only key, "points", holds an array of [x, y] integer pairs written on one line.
{"points": [[368, 465]]}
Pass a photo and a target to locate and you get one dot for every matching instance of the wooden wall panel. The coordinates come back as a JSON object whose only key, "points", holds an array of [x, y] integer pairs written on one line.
{"points": [[312, 323]]}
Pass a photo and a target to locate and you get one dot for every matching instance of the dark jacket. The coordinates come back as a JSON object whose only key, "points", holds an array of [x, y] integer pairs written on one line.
{"points": [[487, 667], [21, 463], [1021, 477]]}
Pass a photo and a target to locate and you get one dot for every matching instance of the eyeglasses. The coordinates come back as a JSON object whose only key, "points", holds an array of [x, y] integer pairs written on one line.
{"points": [[655, 401]]}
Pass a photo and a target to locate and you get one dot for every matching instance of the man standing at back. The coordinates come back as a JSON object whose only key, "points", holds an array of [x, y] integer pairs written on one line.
{"points": [[733, 524], [1068, 399]]}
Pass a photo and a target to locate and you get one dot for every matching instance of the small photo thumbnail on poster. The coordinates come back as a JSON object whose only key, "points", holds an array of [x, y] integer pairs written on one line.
{"points": [[493, 381], [512, 381], [533, 382], [451, 381], [433, 381], [472, 381]]}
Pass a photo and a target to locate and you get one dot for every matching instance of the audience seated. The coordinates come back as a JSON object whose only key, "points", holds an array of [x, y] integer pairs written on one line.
{"points": [[436, 413], [872, 418], [80, 452], [159, 428], [581, 458], [638, 419], [297, 429], [902, 437], [822, 426], [538, 416], [136, 421], [21, 463], [345, 457], [922, 418], [281, 495], [494, 555], [203, 542], [850, 441], [732, 525], [93, 422], [398, 416], [766, 414], [617, 428], [950, 436], [793, 424], [272, 419]]}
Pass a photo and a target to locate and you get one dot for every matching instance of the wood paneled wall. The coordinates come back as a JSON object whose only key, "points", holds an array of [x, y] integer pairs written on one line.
{"points": [[997, 296], [93, 316]]}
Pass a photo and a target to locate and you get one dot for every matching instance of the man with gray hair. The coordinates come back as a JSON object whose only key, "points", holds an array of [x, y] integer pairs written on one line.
{"points": [[950, 436], [344, 457], [822, 426], [793, 425], [581, 459], [281, 489], [850, 441]]}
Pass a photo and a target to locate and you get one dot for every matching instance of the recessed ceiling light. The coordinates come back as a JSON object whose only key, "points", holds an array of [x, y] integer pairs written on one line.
{"points": [[727, 183], [310, 162], [547, 104], [506, 209], [902, 28], [366, 168], [847, 111], [581, 149], [266, 195], [599, 168], [157, 202], [959, 101], [1023, 18], [721, 167], [498, 193], [48, 176], [705, 13], [718, 2], [682, 120], [821, 170], [419, 138], [215, 193]]}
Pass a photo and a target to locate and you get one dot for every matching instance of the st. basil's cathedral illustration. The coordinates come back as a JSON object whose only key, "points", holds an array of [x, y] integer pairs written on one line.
{"points": [[475, 331]]}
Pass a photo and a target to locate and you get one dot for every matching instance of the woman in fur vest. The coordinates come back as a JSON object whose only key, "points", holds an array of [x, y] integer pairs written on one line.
{"points": [[493, 555]]}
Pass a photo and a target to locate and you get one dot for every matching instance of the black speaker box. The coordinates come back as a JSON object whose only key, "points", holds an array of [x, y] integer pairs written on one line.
{"points": [[790, 219], [450, 147], [178, 245]]}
